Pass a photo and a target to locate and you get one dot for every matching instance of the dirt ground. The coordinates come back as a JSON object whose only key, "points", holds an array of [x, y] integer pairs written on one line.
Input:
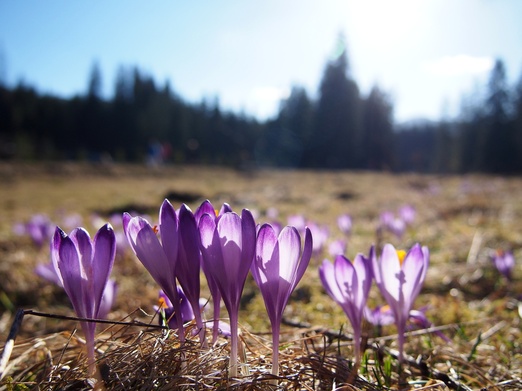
{"points": [[463, 220]]}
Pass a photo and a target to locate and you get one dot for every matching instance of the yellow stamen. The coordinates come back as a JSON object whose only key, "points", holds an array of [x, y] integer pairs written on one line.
{"points": [[216, 212], [162, 303], [384, 308], [155, 229], [402, 255]]}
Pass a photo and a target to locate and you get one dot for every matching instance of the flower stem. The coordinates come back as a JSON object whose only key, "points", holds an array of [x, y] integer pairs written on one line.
{"points": [[89, 330], [201, 328], [357, 346], [233, 364], [215, 329], [275, 353]]}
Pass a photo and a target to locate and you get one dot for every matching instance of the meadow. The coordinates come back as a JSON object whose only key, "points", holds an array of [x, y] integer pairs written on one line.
{"points": [[463, 220]]}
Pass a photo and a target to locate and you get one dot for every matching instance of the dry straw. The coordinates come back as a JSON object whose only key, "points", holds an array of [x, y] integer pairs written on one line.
{"points": [[140, 356]]}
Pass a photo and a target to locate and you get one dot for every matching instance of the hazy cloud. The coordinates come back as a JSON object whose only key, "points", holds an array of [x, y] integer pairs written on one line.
{"points": [[459, 65]]}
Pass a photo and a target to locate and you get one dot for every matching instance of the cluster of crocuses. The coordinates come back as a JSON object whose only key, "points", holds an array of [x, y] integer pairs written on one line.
{"points": [[396, 223], [226, 246], [398, 275]]}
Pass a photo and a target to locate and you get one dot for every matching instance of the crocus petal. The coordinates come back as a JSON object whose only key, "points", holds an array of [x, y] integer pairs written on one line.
{"points": [[248, 245], [108, 299], [82, 242], [147, 248], [228, 234], [266, 242], [103, 260], [390, 273], [169, 229], [205, 207], [289, 251], [55, 252], [188, 268], [413, 268], [327, 276], [363, 270], [69, 266]]}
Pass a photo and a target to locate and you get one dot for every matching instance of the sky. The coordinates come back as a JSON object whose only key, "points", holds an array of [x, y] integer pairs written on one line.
{"points": [[427, 55]]}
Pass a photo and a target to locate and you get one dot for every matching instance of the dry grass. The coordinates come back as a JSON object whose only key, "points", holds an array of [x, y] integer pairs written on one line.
{"points": [[459, 218]]}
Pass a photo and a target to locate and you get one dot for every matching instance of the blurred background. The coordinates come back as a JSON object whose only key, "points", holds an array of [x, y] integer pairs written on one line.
{"points": [[425, 86]]}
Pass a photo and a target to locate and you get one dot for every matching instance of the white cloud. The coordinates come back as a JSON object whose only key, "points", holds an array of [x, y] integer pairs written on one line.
{"points": [[269, 93], [461, 64]]}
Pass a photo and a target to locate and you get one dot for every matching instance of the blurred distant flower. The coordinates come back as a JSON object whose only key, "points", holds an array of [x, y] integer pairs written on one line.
{"points": [[49, 272], [386, 218], [400, 276], [272, 213], [348, 284], [418, 318], [72, 220], [297, 221], [407, 214], [504, 261], [388, 222], [84, 267], [228, 248], [39, 228], [381, 315], [320, 233], [337, 247], [108, 299], [278, 267], [344, 222]]}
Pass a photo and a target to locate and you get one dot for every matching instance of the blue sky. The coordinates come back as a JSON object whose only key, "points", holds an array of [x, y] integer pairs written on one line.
{"points": [[427, 54]]}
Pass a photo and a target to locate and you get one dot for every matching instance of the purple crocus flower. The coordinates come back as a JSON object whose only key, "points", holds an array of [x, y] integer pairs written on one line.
{"points": [[344, 222], [407, 213], [84, 268], [297, 221], [49, 271], [348, 284], [189, 257], [39, 228], [383, 316], [278, 267], [153, 255], [207, 208], [419, 318], [337, 247], [504, 261], [379, 316], [320, 234], [399, 276], [228, 248]]}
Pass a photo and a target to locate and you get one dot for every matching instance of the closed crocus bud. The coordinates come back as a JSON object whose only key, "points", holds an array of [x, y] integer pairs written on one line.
{"points": [[279, 265], [84, 266], [145, 243], [348, 284], [228, 247]]}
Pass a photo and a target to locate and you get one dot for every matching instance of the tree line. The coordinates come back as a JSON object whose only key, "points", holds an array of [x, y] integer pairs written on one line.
{"points": [[341, 129]]}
